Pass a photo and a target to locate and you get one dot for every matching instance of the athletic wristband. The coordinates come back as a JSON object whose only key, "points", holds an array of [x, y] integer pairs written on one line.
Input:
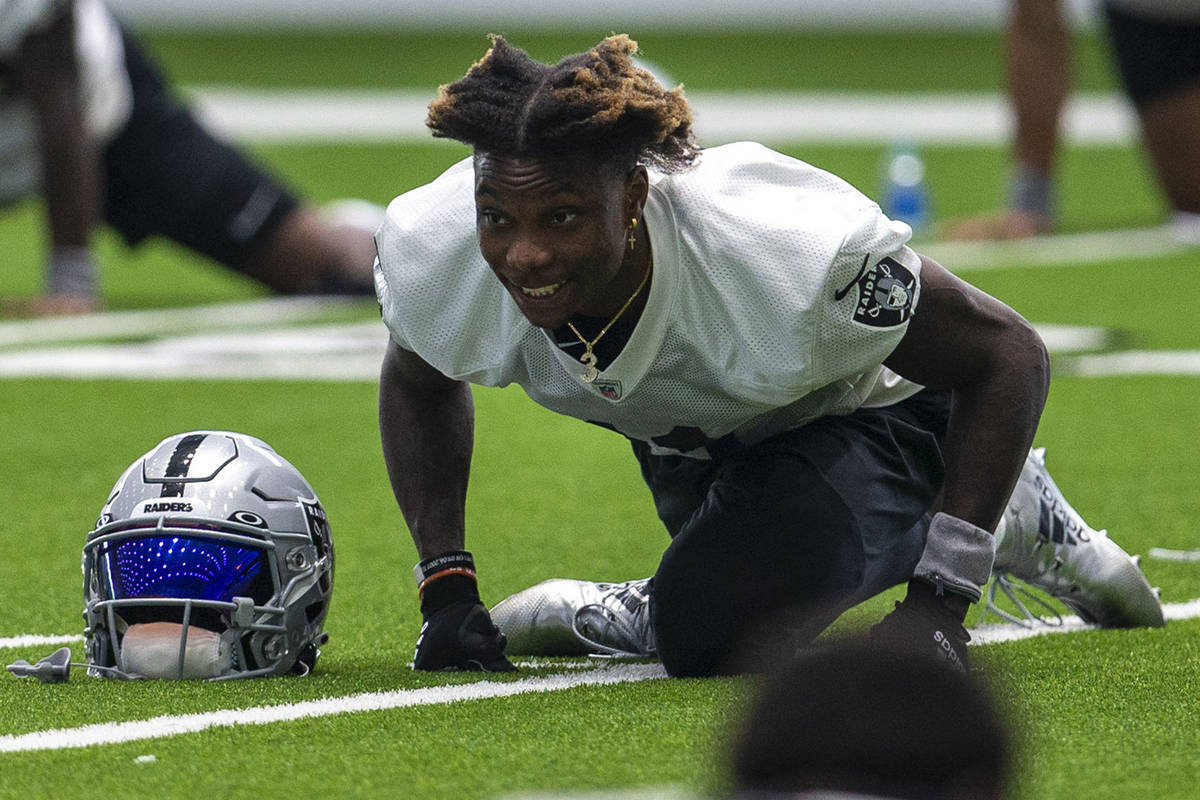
{"points": [[454, 562], [70, 270], [957, 557]]}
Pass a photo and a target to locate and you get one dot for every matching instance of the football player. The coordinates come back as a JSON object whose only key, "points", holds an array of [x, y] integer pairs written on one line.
{"points": [[819, 411], [88, 122]]}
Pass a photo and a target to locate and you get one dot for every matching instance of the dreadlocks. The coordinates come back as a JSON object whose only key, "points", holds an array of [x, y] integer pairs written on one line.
{"points": [[598, 102]]}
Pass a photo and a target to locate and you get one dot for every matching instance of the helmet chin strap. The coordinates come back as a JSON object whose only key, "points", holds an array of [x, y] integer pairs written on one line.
{"points": [[56, 668]]}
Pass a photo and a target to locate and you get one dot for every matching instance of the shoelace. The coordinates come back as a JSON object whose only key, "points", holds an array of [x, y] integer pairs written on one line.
{"points": [[1003, 582], [610, 620]]}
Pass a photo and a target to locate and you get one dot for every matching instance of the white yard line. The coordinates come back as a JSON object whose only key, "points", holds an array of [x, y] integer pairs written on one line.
{"points": [[176, 724], [245, 315], [37, 640], [1064, 249], [592, 673], [764, 116], [341, 352], [1132, 362], [333, 352]]}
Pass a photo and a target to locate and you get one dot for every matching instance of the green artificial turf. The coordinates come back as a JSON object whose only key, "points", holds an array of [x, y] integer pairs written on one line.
{"points": [[1107, 715]]}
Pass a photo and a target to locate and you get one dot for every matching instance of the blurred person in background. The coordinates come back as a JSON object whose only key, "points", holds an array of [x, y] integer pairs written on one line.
{"points": [[88, 122], [1156, 44], [855, 720]]}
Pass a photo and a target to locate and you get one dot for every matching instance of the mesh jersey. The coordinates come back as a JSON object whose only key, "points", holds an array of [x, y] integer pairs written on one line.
{"points": [[104, 85], [777, 291]]}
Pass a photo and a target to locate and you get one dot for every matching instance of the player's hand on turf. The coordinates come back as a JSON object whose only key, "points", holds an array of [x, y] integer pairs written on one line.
{"points": [[461, 636], [457, 631], [925, 624]]}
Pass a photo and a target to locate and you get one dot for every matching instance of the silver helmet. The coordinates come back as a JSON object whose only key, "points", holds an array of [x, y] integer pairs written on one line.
{"points": [[211, 559]]}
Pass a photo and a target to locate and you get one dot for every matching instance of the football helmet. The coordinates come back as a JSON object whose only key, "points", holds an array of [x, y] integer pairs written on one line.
{"points": [[211, 559]]}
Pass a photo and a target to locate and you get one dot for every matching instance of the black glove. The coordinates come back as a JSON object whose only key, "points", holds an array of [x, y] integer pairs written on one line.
{"points": [[926, 623], [457, 632]]}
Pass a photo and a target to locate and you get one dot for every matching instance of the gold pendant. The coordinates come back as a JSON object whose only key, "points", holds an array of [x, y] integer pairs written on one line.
{"points": [[590, 373]]}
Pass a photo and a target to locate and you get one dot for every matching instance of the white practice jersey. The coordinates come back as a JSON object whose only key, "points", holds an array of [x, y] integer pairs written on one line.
{"points": [[778, 289], [104, 85]]}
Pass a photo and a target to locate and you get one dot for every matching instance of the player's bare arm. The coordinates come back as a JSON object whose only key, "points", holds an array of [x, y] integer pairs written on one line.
{"points": [[427, 424], [426, 421], [995, 363]]}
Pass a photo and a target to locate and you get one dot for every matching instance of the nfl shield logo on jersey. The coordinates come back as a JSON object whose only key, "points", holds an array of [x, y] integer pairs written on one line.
{"points": [[610, 389], [885, 294]]}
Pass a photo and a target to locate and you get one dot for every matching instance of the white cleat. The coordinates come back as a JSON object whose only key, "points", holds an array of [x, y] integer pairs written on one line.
{"points": [[563, 617], [1047, 544]]}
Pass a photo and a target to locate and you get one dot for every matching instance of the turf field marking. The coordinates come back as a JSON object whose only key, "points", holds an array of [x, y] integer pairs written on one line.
{"points": [[765, 116], [1064, 249], [36, 640], [331, 352], [1011, 632], [1167, 554], [176, 724], [217, 317], [1132, 362], [339, 352], [983, 634]]}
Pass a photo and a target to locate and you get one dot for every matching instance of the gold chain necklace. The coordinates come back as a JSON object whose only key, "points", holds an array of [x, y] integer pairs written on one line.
{"points": [[588, 359]]}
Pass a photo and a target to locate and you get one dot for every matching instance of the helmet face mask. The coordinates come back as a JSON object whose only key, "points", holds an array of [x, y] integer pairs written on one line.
{"points": [[211, 559]]}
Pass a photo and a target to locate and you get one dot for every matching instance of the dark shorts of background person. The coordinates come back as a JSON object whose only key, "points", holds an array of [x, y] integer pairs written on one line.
{"points": [[1155, 56], [168, 176], [771, 543]]}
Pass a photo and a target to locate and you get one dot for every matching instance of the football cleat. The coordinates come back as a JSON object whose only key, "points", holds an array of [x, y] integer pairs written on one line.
{"points": [[563, 617], [1046, 543]]}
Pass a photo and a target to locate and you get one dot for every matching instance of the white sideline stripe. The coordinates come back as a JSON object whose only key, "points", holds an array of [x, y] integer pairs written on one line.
{"points": [[1064, 249], [984, 634], [765, 116], [35, 640], [1132, 362], [341, 352], [1011, 632], [220, 316], [334, 352], [1166, 554], [174, 725]]}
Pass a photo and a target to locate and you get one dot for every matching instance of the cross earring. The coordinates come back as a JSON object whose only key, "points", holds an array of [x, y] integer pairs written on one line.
{"points": [[633, 227]]}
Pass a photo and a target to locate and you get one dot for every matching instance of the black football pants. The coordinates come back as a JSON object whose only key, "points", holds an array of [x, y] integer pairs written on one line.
{"points": [[771, 543]]}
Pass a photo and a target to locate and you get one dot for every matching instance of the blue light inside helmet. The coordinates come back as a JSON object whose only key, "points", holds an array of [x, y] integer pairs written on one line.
{"points": [[182, 567]]}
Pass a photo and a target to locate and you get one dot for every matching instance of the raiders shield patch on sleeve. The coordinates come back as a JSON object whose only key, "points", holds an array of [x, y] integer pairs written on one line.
{"points": [[885, 294]]}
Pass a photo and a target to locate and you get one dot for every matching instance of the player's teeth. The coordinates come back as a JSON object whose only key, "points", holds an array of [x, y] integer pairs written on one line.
{"points": [[541, 291]]}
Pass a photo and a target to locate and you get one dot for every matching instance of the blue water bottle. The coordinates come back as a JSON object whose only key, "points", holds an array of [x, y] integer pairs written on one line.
{"points": [[905, 194]]}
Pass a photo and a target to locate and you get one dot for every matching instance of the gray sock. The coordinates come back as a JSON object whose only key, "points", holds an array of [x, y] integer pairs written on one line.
{"points": [[1031, 190], [71, 271]]}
